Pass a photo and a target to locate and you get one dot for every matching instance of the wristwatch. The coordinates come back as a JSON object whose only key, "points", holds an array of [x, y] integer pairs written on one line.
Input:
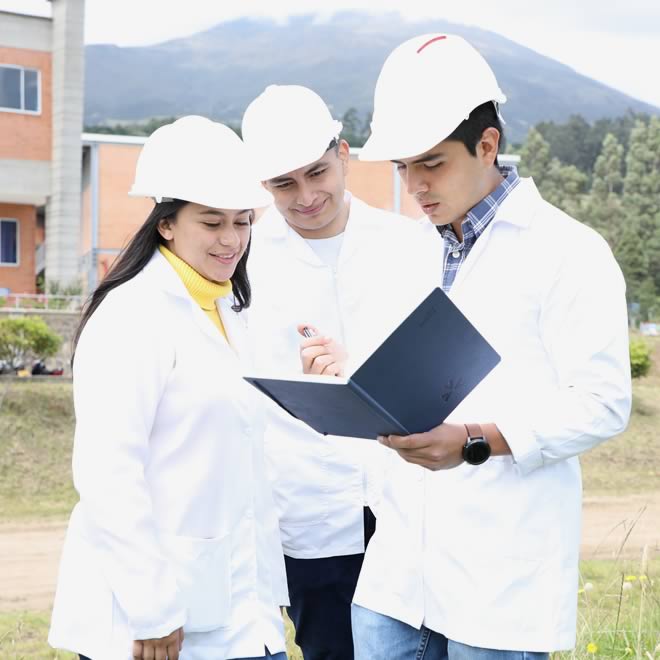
{"points": [[476, 449]]}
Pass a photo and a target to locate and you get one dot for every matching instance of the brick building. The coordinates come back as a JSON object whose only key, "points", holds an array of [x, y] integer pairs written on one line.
{"points": [[41, 94]]}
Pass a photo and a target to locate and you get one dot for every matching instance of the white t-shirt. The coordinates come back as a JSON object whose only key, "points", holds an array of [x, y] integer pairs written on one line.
{"points": [[327, 249]]}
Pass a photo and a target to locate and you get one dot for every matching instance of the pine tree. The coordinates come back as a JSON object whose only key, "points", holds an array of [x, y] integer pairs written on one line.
{"points": [[603, 207], [641, 202], [561, 185]]}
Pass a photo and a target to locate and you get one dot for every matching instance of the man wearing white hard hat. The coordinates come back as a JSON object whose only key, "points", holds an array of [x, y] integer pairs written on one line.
{"points": [[325, 259], [173, 550], [475, 555]]}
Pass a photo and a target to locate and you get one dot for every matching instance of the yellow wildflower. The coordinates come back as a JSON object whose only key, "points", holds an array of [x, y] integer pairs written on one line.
{"points": [[592, 648], [630, 578]]}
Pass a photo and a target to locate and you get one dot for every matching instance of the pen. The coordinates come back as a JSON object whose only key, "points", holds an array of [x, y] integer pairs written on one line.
{"points": [[307, 332]]}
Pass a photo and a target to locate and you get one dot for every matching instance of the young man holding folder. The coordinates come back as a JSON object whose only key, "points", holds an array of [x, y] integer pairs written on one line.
{"points": [[323, 258], [475, 556]]}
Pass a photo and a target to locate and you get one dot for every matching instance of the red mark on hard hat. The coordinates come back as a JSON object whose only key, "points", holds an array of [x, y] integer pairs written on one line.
{"points": [[430, 42]]}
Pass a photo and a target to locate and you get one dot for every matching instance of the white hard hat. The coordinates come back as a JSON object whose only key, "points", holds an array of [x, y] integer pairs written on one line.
{"points": [[287, 127], [198, 160], [426, 88]]}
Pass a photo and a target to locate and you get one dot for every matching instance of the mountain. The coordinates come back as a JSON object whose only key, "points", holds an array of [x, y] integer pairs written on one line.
{"points": [[219, 71]]}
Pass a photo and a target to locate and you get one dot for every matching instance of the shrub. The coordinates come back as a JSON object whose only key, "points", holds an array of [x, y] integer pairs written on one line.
{"points": [[640, 358], [24, 340]]}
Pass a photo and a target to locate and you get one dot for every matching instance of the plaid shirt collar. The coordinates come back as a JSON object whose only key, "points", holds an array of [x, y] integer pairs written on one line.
{"points": [[480, 215]]}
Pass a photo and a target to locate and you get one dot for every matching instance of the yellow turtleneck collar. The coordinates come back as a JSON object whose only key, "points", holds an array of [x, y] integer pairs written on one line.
{"points": [[203, 291]]}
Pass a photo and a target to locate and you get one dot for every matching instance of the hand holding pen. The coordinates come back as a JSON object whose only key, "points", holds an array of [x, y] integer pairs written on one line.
{"points": [[321, 355]]}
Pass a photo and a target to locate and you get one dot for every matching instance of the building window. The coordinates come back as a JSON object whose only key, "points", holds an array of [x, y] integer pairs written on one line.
{"points": [[8, 242], [20, 89]]}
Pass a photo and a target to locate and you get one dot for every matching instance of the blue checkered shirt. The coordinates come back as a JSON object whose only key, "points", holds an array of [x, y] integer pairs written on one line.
{"points": [[475, 223]]}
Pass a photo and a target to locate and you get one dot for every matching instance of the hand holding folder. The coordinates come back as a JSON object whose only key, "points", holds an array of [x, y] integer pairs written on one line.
{"points": [[410, 384]]}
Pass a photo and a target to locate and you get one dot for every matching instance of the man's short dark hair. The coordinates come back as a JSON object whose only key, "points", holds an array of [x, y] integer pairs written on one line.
{"points": [[470, 130], [334, 144]]}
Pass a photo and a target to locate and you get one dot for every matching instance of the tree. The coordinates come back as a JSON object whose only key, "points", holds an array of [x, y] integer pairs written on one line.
{"points": [[603, 207], [641, 202], [354, 128], [572, 143], [561, 185], [23, 340], [534, 156]]}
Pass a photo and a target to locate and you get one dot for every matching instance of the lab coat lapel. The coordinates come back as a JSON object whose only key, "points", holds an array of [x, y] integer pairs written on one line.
{"points": [[357, 226], [164, 277], [235, 330], [517, 209]]}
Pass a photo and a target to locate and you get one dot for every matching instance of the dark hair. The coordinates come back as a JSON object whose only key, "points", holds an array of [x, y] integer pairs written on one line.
{"points": [[334, 144], [137, 254], [470, 130]]}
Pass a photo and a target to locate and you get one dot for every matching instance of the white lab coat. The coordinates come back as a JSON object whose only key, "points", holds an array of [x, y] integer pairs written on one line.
{"points": [[488, 555], [176, 524], [387, 264]]}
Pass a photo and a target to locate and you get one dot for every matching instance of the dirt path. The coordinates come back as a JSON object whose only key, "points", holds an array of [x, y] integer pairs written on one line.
{"points": [[29, 552]]}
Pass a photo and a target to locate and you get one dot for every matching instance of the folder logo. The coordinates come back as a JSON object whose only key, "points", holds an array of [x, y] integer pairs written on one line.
{"points": [[427, 317], [451, 387]]}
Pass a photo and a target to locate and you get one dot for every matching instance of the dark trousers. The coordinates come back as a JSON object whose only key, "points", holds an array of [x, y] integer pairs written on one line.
{"points": [[321, 591]]}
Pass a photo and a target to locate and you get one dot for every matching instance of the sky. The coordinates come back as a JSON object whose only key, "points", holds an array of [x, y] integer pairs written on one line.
{"points": [[612, 41]]}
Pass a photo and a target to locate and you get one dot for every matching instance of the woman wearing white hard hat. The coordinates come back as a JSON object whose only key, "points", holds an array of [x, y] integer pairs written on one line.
{"points": [[173, 550]]}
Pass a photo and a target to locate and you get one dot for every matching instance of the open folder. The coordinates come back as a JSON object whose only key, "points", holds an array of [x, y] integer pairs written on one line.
{"points": [[410, 384]]}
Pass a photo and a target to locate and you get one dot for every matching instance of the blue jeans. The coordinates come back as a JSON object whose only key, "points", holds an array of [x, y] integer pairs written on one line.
{"points": [[379, 637]]}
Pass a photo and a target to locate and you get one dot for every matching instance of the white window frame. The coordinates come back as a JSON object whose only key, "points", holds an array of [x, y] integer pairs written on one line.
{"points": [[22, 110], [7, 264]]}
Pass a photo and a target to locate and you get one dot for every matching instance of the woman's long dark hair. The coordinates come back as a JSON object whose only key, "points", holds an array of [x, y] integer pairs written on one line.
{"points": [[137, 254]]}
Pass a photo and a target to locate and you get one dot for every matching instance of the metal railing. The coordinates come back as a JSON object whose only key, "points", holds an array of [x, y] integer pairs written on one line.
{"points": [[40, 302]]}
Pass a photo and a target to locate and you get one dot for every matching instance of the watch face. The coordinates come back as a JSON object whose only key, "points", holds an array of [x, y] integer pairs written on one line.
{"points": [[476, 452]]}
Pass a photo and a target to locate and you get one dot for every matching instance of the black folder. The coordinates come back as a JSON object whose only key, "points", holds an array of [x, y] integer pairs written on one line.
{"points": [[410, 384]]}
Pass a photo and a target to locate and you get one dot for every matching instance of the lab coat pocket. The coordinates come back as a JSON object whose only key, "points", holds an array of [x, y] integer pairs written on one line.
{"points": [[203, 572]]}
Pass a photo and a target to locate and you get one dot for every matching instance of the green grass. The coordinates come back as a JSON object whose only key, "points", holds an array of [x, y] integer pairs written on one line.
{"points": [[36, 437], [630, 463], [618, 610], [23, 635]]}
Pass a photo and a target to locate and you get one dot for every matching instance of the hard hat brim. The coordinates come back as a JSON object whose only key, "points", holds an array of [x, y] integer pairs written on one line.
{"points": [[231, 200], [277, 163]]}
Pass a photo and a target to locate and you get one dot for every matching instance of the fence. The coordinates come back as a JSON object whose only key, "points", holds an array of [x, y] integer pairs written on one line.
{"points": [[40, 302]]}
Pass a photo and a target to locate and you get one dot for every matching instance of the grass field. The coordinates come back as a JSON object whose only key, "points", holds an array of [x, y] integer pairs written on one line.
{"points": [[619, 601]]}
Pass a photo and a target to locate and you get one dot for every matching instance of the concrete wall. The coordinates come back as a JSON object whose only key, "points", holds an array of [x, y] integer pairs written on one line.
{"points": [[25, 32], [24, 181], [63, 211], [21, 278]]}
